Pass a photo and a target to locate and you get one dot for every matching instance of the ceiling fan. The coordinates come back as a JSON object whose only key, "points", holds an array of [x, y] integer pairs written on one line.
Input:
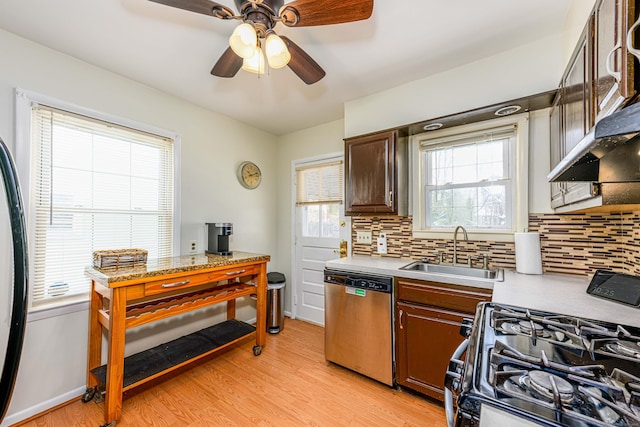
{"points": [[256, 34]]}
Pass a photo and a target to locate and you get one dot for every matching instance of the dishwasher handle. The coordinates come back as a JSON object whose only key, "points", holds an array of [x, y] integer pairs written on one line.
{"points": [[452, 380]]}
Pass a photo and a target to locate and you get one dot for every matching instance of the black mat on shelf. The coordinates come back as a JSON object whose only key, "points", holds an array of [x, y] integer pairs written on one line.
{"points": [[157, 359]]}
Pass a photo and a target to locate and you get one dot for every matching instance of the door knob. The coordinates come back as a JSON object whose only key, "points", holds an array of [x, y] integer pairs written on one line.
{"points": [[343, 249]]}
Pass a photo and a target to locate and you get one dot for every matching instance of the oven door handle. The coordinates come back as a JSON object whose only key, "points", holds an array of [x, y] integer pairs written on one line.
{"points": [[448, 395]]}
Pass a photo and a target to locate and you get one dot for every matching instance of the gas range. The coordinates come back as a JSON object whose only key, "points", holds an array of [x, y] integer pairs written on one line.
{"points": [[549, 369]]}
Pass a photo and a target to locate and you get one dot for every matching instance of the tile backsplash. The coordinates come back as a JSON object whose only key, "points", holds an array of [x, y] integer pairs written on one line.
{"points": [[572, 244]]}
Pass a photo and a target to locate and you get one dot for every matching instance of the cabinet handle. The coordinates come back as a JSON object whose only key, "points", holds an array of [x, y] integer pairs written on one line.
{"points": [[233, 273], [391, 199], [615, 74], [635, 52], [400, 314], [176, 284]]}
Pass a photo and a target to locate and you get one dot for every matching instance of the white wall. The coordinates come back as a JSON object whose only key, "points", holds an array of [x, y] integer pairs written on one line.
{"points": [[527, 70], [54, 355], [573, 26], [323, 139]]}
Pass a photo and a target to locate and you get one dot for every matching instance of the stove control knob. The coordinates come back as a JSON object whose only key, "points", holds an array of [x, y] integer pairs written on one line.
{"points": [[452, 380], [465, 327]]}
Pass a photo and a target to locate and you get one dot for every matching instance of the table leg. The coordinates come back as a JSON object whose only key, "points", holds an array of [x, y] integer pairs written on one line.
{"points": [[94, 351], [115, 357], [231, 309], [261, 306]]}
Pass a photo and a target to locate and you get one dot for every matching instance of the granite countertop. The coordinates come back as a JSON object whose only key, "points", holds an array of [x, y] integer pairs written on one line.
{"points": [[163, 266], [557, 293]]}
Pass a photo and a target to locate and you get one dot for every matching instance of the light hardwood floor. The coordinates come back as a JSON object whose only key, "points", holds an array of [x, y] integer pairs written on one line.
{"points": [[289, 384]]}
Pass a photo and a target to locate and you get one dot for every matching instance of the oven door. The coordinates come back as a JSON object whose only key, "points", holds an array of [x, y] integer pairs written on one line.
{"points": [[490, 416]]}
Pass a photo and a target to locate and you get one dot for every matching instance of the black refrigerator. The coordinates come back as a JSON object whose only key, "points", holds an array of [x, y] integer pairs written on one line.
{"points": [[15, 286]]}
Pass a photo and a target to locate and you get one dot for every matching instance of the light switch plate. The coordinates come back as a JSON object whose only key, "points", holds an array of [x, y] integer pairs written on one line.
{"points": [[363, 237]]}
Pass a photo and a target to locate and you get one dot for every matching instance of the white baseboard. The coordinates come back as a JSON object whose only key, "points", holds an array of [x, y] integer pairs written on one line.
{"points": [[42, 407]]}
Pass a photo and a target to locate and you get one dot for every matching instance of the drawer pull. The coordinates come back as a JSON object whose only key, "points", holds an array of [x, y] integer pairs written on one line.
{"points": [[233, 273], [176, 284]]}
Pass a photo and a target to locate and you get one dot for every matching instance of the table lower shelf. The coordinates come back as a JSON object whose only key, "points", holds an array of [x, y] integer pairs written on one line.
{"points": [[151, 363]]}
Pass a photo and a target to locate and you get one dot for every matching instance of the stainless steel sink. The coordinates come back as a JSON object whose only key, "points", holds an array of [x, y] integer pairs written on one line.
{"points": [[496, 275]]}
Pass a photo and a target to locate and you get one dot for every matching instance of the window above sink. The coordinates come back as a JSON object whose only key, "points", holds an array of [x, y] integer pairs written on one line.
{"points": [[472, 175]]}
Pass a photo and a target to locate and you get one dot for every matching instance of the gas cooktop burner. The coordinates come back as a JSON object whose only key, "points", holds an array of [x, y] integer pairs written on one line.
{"points": [[625, 348], [550, 385], [539, 385], [526, 327]]}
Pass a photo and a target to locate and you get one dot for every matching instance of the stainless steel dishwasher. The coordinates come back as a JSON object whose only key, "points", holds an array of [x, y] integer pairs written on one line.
{"points": [[358, 323]]}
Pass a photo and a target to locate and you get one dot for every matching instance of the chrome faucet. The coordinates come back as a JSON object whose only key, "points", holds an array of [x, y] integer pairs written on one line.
{"points": [[455, 242]]}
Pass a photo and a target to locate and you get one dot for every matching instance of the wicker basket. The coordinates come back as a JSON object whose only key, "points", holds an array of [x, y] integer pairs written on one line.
{"points": [[119, 258]]}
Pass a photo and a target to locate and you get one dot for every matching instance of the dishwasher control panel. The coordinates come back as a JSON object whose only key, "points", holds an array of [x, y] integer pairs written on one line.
{"points": [[361, 281]]}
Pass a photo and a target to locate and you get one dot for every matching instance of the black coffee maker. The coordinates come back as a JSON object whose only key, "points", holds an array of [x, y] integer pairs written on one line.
{"points": [[218, 238]]}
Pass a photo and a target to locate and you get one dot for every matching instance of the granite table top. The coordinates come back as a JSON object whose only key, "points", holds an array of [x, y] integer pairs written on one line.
{"points": [[171, 265]]}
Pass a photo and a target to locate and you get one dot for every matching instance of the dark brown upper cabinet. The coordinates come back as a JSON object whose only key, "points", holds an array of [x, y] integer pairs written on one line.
{"points": [[376, 174], [599, 79], [613, 65]]}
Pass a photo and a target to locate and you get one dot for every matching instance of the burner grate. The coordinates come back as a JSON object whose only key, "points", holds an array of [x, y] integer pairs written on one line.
{"points": [[585, 392]]}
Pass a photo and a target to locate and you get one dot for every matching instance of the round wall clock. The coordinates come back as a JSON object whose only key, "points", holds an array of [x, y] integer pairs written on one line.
{"points": [[249, 175]]}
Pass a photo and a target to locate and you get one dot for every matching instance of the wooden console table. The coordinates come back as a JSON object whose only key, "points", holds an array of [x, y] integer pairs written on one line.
{"points": [[124, 298]]}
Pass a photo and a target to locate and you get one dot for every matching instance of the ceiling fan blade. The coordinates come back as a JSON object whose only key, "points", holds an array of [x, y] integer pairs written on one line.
{"points": [[206, 7], [228, 64], [302, 64], [305, 13]]}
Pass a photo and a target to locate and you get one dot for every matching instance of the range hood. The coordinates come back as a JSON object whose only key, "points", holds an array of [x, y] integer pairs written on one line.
{"points": [[609, 155]]}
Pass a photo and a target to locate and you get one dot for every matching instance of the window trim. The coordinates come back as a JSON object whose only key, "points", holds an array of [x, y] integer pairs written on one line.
{"points": [[24, 101], [520, 181]]}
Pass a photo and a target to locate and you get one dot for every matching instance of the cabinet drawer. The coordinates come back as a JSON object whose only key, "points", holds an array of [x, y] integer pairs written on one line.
{"points": [[186, 281], [454, 297]]}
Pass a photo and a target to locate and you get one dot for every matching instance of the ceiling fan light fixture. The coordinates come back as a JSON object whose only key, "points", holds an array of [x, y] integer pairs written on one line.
{"points": [[244, 40], [276, 51], [255, 64]]}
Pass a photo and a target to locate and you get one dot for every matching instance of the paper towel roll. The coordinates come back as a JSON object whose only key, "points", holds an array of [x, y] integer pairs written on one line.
{"points": [[528, 257]]}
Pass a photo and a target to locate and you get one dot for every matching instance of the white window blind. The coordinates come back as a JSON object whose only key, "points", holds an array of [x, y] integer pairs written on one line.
{"points": [[96, 185], [319, 184]]}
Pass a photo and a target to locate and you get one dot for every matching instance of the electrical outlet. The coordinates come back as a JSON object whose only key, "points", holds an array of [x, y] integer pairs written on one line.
{"points": [[363, 237], [382, 243], [193, 246]]}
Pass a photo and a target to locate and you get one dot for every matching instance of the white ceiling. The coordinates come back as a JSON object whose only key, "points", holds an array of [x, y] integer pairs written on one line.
{"points": [[174, 50]]}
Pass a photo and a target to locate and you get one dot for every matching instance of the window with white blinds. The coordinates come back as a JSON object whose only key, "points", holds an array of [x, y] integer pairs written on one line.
{"points": [[95, 185], [473, 175], [468, 179], [319, 190], [318, 184]]}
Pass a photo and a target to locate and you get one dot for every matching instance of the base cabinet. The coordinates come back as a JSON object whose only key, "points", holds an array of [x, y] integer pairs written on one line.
{"points": [[428, 320], [426, 339]]}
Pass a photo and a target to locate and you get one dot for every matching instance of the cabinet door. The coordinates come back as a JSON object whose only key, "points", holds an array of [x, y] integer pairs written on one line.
{"points": [[555, 141], [577, 108], [576, 92], [426, 337], [611, 24], [370, 184]]}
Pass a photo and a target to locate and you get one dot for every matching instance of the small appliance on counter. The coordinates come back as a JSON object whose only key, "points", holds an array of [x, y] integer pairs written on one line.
{"points": [[534, 368], [618, 287], [218, 238]]}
